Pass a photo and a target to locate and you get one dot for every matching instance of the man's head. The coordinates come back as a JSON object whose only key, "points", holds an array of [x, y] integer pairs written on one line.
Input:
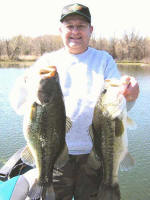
{"points": [[76, 9], [76, 28]]}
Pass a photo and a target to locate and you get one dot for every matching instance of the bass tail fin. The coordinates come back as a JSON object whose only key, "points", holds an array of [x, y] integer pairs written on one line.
{"points": [[109, 192], [41, 192], [48, 193]]}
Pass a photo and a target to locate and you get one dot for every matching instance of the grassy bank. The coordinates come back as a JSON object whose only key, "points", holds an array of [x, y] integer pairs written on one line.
{"points": [[22, 61], [15, 64]]}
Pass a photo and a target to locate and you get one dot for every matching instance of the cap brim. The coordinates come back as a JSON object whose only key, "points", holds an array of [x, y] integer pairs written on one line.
{"points": [[73, 13]]}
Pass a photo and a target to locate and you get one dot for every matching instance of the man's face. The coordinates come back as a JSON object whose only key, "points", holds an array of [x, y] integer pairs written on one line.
{"points": [[76, 33]]}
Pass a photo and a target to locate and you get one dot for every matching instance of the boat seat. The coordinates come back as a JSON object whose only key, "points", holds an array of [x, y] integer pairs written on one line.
{"points": [[13, 167]]}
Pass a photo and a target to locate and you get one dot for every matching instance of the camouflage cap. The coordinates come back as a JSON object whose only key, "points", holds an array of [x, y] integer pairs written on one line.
{"points": [[78, 9]]}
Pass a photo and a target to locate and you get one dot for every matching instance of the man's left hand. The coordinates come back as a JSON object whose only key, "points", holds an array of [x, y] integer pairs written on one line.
{"points": [[130, 88]]}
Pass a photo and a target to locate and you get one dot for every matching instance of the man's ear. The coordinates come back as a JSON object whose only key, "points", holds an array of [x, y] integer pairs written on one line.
{"points": [[91, 29], [60, 29]]}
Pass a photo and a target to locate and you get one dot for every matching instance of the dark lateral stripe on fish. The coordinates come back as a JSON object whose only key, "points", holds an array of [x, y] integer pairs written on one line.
{"points": [[107, 146], [119, 127]]}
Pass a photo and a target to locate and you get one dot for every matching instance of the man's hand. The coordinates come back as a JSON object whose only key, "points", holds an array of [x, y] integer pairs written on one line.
{"points": [[130, 88]]}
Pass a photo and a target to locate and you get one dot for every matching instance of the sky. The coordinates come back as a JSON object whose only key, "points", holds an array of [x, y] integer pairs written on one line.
{"points": [[110, 18]]}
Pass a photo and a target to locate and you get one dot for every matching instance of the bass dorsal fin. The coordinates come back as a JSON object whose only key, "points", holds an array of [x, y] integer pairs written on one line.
{"points": [[68, 124]]}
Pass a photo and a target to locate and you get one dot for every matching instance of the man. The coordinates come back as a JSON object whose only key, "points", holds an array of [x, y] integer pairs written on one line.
{"points": [[82, 71]]}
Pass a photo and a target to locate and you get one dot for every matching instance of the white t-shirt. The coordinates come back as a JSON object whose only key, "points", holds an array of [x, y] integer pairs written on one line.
{"points": [[81, 79]]}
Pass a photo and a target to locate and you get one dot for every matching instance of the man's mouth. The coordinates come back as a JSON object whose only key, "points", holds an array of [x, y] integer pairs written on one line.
{"points": [[75, 39]]}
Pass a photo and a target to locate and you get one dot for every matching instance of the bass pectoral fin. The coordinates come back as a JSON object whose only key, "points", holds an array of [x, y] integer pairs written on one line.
{"points": [[93, 160], [62, 158], [27, 157], [91, 133], [127, 163], [131, 124]]}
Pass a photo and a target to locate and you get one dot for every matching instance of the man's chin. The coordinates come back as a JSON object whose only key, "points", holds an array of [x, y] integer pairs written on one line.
{"points": [[75, 45]]}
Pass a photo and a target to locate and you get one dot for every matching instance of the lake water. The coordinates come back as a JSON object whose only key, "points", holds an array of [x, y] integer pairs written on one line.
{"points": [[135, 184]]}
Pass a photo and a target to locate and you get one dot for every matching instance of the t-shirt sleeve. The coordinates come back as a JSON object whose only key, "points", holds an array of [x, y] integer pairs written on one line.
{"points": [[19, 92], [43, 61], [18, 95], [111, 70]]}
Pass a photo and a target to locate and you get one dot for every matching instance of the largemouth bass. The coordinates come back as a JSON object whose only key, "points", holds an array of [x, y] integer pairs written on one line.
{"points": [[44, 128], [109, 133]]}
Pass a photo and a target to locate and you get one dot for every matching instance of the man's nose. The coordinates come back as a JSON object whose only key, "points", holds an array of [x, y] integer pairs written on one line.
{"points": [[75, 29]]}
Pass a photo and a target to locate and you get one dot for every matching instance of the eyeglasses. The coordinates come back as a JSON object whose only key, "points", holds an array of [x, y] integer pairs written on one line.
{"points": [[80, 27]]}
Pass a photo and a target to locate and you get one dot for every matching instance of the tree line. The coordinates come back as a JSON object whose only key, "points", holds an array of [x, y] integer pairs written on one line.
{"points": [[131, 47]]}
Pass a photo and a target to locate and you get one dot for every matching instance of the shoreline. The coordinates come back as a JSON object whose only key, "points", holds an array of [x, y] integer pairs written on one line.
{"points": [[138, 64], [26, 63]]}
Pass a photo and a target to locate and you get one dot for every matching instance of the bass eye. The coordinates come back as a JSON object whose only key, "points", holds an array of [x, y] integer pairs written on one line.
{"points": [[104, 91]]}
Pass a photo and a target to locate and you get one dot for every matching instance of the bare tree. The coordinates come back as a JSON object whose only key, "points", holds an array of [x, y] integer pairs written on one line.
{"points": [[131, 47], [112, 47], [2, 48]]}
